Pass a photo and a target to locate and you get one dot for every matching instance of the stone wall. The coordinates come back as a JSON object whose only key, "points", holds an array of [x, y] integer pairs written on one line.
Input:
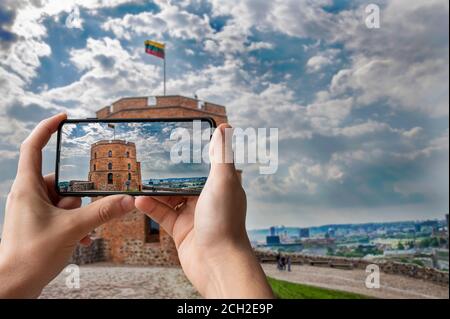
{"points": [[131, 251], [80, 186], [125, 242], [388, 267], [137, 252], [90, 254]]}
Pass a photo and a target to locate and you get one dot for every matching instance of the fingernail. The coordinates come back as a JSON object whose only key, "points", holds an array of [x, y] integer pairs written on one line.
{"points": [[127, 203]]}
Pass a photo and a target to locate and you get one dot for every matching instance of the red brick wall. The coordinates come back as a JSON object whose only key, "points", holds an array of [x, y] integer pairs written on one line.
{"points": [[99, 166], [103, 112], [126, 103], [166, 107], [125, 243]]}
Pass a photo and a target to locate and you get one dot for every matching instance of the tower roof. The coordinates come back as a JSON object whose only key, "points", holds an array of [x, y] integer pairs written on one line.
{"points": [[161, 104], [108, 142]]}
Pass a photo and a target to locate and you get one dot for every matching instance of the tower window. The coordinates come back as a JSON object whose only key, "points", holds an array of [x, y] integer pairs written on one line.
{"points": [[95, 155], [127, 154], [95, 167], [129, 166], [152, 230], [129, 176], [109, 153], [110, 178], [109, 165]]}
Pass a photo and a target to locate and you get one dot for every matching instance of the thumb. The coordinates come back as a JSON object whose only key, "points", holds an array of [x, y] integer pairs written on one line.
{"points": [[221, 151], [103, 210]]}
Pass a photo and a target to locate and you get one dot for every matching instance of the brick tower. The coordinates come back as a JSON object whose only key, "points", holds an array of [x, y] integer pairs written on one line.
{"points": [[136, 239], [113, 166]]}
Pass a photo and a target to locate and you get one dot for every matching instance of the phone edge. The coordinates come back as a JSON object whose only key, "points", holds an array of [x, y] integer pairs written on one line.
{"points": [[80, 194]]}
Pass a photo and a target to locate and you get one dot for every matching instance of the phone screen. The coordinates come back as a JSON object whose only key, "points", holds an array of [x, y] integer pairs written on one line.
{"points": [[140, 157]]}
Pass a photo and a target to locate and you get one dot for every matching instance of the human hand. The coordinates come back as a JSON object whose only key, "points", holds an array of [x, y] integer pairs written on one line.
{"points": [[41, 229], [209, 231]]}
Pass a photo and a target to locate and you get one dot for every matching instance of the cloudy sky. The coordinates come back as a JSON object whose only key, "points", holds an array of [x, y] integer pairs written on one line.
{"points": [[155, 142], [362, 113]]}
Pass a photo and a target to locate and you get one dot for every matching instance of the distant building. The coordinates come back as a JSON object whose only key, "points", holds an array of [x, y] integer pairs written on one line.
{"points": [[399, 253], [319, 242], [272, 231], [446, 218], [330, 233], [417, 228], [273, 240], [303, 232]]}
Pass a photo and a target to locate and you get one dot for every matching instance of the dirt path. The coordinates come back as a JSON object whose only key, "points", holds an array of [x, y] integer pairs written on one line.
{"points": [[108, 281], [392, 286]]}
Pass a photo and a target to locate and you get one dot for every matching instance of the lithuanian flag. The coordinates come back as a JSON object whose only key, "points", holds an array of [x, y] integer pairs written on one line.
{"points": [[154, 48]]}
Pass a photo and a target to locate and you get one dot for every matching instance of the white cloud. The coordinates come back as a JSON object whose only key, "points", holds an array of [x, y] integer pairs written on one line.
{"points": [[414, 132], [9, 154], [331, 111], [403, 61], [317, 62], [260, 45], [298, 18], [106, 64], [369, 127], [73, 20], [321, 60], [177, 23], [189, 52]]}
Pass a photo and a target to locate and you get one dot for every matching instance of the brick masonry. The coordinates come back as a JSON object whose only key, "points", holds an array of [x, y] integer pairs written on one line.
{"points": [[118, 159], [80, 186], [91, 254]]}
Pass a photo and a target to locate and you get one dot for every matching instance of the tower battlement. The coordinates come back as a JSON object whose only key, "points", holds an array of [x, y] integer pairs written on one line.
{"points": [[109, 142]]}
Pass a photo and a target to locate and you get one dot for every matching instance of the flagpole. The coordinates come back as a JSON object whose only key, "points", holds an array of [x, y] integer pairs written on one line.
{"points": [[164, 72]]}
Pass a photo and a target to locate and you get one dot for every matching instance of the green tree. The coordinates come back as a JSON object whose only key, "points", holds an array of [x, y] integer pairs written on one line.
{"points": [[434, 242], [424, 243], [330, 251]]}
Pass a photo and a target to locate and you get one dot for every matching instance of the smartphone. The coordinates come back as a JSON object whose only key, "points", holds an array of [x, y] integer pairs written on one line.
{"points": [[97, 157]]}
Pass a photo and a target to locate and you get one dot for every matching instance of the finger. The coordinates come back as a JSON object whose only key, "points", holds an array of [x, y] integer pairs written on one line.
{"points": [[160, 212], [69, 202], [50, 183], [59, 201], [171, 201], [220, 150], [101, 211], [30, 160]]}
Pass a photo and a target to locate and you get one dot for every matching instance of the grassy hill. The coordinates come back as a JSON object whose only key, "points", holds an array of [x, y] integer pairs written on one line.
{"points": [[288, 290]]}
